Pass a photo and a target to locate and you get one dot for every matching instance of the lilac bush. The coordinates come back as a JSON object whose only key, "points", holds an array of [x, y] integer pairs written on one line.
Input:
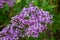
{"points": [[9, 2], [30, 22]]}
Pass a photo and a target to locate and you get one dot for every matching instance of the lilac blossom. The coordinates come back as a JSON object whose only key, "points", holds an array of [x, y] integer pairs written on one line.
{"points": [[9, 2], [30, 22]]}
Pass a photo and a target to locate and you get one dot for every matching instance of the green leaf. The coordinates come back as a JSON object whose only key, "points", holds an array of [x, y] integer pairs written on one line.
{"points": [[50, 7], [18, 1], [44, 3], [6, 8], [36, 2]]}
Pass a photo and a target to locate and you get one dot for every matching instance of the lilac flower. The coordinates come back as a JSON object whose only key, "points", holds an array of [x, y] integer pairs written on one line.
{"points": [[1, 5], [9, 2], [35, 23], [30, 22], [10, 33]]}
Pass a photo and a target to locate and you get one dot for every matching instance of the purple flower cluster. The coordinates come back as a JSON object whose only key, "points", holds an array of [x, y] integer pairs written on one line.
{"points": [[30, 22], [9, 33], [9, 2]]}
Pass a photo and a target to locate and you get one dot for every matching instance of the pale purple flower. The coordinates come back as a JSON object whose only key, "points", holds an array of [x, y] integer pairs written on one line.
{"points": [[1, 5], [35, 23], [9, 2]]}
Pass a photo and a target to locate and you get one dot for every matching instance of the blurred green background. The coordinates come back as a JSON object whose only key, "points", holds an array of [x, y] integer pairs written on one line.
{"points": [[53, 31]]}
